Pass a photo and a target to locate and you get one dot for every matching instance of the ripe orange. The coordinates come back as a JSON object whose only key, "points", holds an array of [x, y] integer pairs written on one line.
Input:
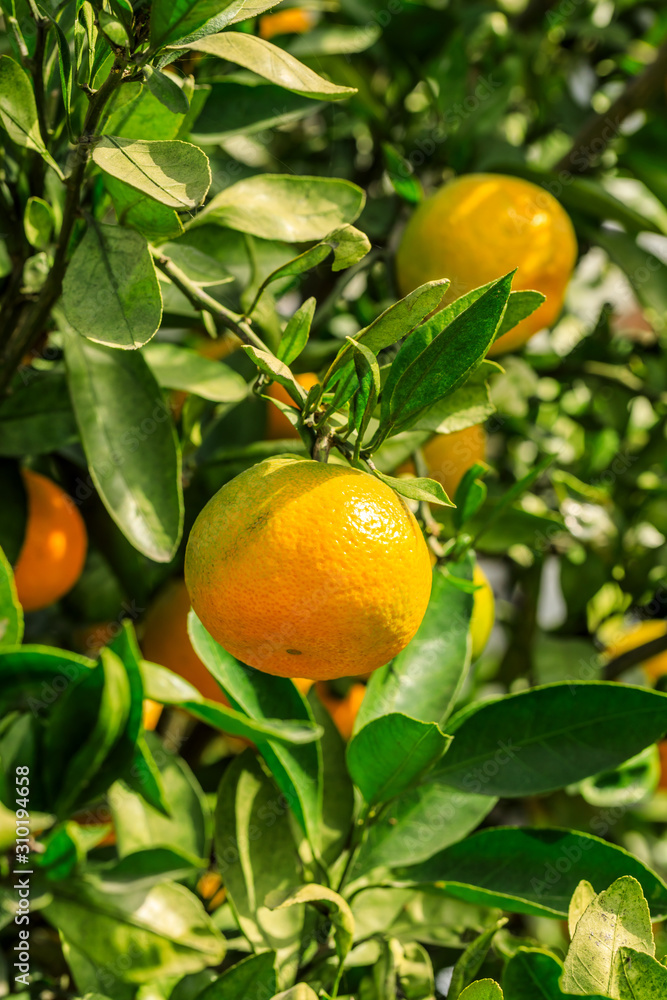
{"points": [[631, 636], [343, 711], [277, 424], [449, 456], [483, 612], [54, 549], [298, 567], [293, 21], [166, 640], [480, 226]]}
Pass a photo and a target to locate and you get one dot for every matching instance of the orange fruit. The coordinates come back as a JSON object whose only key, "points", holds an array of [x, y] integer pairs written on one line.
{"points": [[302, 568], [54, 549], [449, 456], [630, 636], [166, 640], [211, 890], [277, 424], [480, 226], [293, 21], [343, 711], [483, 612]]}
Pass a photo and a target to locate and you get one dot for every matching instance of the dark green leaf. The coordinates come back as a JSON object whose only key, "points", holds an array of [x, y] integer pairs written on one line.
{"points": [[154, 221], [164, 87], [392, 752], [37, 417], [14, 509], [111, 293], [253, 976], [338, 792], [519, 306], [646, 978], [130, 443], [246, 107], [560, 733], [402, 175], [536, 871], [172, 20], [470, 495], [534, 974], [424, 679], [471, 960], [295, 334]]}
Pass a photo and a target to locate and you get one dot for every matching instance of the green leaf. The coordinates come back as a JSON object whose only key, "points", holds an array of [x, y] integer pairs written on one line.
{"points": [[38, 222], [285, 207], [164, 87], [483, 989], [644, 977], [143, 777], [245, 107], [25, 671], [560, 733], [519, 306], [172, 20], [424, 679], [295, 334], [14, 509], [449, 359], [181, 368], [296, 769], [113, 28], [470, 962], [253, 976], [277, 371], [130, 443], [335, 39], [426, 490], [631, 782], [154, 221], [272, 63], [402, 175], [418, 824], [166, 930], [186, 826], [200, 267], [257, 855], [534, 974], [135, 113], [147, 867], [65, 69], [581, 897], [391, 753], [338, 791], [325, 900], [465, 407], [111, 293], [37, 417], [470, 495], [11, 612], [615, 918], [299, 992], [535, 871], [18, 111], [172, 172]]}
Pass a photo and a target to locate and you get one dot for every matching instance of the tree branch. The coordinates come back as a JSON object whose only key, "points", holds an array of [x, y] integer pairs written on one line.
{"points": [[599, 131], [202, 301]]}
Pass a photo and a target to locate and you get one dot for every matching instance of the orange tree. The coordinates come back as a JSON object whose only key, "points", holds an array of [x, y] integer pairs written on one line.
{"points": [[199, 223]]}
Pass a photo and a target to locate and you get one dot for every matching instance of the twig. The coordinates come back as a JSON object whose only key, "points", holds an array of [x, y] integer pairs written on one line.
{"points": [[633, 657], [599, 131], [202, 301]]}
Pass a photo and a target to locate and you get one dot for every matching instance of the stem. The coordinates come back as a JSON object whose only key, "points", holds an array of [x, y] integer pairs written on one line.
{"points": [[201, 300], [358, 837], [37, 66], [34, 317], [599, 131], [635, 656]]}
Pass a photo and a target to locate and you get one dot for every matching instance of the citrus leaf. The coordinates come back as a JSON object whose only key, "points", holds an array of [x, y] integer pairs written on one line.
{"points": [[423, 489], [424, 679], [11, 612], [272, 63], [285, 207], [253, 976], [470, 962], [38, 222], [172, 172], [130, 443], [534, 870], [645, 978], [483, 989], [257, 855], [154, 221], [126, 308], [324, 899], [392, 752], [18, 111], [172, 20], [179, 367], [519, 306], [295, 334], [37, 418], [164, 87], [534, 974], [402, 175], [561, 733]]}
